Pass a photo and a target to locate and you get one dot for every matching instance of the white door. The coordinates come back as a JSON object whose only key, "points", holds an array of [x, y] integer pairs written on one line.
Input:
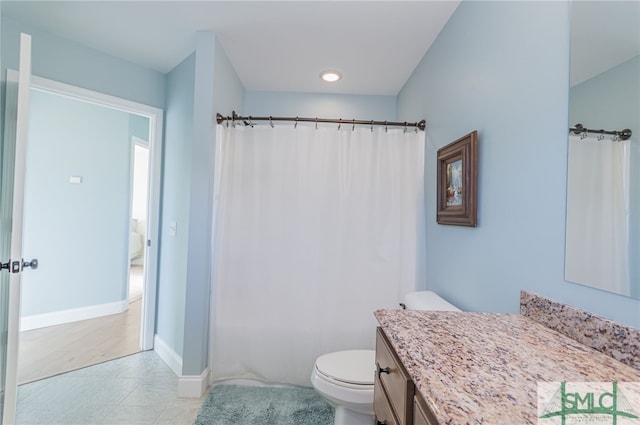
{"points": [[13, 172]]}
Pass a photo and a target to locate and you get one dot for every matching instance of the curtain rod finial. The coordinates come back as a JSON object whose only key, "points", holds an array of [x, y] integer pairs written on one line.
{"points": [[625, 134]]}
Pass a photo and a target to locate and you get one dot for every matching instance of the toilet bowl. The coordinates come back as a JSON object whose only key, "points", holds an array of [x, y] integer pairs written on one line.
{"points": [[345, 378]]}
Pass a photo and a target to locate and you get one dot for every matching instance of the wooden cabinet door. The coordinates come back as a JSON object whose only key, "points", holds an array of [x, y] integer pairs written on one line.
{"points": [[422, 415], [394, 379]]}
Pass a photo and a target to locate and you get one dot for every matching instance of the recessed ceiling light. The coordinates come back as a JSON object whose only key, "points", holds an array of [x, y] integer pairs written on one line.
{"points": [[330, 76]]}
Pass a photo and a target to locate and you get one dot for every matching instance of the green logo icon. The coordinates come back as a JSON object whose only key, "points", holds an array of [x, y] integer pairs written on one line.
{"points": [[587, 403]]}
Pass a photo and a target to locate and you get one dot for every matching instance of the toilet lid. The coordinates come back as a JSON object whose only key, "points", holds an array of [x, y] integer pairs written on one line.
{"points": [[352, 366]]}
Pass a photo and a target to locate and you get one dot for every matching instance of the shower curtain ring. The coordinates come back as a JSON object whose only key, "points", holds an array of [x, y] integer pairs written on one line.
{"points": [[353, 128], [372, 126], [316, 123], [340, 124], [386, 128], [296, 124], [405, 128], [271, 122]]}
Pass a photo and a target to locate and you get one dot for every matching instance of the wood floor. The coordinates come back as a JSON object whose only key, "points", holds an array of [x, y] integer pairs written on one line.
{"points": [[58, 349]]}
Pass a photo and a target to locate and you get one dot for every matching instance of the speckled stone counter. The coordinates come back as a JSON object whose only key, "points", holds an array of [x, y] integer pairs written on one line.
{"points": [[611, 338], [483, 368]]}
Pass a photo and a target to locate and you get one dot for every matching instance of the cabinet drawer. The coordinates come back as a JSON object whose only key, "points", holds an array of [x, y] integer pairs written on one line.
{"points": [[383, 412], [422, 415], [394, 379]]}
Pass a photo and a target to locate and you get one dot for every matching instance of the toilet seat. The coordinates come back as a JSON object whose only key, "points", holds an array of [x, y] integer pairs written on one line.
{"points": [[351, 368], [345, 380]]}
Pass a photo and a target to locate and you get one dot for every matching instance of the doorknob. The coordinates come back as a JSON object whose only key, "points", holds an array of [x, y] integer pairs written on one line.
{"points": [[33, 264], [18, 266]]}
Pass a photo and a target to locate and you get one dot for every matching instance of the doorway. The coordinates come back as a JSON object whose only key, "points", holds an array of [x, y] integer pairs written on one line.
{"points": [[81, 218], [139, 198]]}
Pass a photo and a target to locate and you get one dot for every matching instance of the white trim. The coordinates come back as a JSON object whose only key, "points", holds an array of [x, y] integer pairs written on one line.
{"points": [[193, 386], [166, 353], [140, 142], [189, 386], [60, 317], [155, 116], [10, 385], [148, 320], [90, 96]]}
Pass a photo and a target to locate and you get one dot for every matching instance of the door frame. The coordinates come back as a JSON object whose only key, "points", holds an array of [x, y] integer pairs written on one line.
{"points": [[23, 79], [155, 116], [134, 142]]}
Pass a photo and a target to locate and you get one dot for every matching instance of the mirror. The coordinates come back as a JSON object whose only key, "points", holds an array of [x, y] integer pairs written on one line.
{"points": [[603, 184]]}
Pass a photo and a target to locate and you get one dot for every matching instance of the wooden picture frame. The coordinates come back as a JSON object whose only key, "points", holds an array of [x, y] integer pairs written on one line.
{"points": [[458, 182]]}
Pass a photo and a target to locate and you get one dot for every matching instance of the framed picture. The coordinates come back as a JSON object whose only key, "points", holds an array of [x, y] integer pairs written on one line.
{"points": [[458, 182]]}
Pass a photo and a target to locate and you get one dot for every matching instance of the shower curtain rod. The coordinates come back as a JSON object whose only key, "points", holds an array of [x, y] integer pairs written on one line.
{"points": [[248, 121], [622, 134]]}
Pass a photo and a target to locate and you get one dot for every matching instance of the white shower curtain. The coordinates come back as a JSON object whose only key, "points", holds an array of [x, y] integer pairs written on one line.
{"points": [[597, 251], [314, 230]]}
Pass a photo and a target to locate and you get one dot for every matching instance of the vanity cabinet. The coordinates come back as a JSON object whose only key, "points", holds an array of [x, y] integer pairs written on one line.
{"points": [[421, 413], [395, 400], [383, 412], [471, 368]]}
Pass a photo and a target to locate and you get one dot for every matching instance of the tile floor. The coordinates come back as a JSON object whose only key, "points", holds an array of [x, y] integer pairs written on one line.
{"points": [[135, 390]]}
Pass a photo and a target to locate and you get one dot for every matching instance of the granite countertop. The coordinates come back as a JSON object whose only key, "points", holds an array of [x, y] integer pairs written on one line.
{"points": [[484, 368]]}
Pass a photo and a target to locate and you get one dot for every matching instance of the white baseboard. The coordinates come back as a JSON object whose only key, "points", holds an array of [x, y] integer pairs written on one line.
{"points": [[166, 353], [193, 386], [189, 386], [37, 321]]}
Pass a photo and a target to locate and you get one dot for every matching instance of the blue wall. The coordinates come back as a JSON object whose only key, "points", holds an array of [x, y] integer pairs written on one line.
{"points": [[178, 139], [502, 68], [217, 87], [195, 88], [610, 100], [139, 127], [90, 220], [72, 63]]}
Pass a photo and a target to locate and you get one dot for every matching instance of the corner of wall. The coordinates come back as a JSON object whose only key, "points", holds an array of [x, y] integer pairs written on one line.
{"points": [[193, 386]]}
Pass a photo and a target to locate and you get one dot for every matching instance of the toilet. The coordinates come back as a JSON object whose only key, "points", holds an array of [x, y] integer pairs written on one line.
{"points": [[345, 378]]}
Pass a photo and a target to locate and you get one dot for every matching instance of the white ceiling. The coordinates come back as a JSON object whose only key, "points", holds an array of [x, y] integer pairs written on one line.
{"points": [[273, 46]]}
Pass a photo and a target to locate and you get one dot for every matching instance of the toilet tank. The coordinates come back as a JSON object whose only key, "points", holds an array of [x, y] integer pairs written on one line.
{"points": [[426, 300]]}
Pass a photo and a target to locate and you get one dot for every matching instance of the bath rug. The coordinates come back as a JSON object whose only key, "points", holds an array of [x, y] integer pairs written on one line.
{"points": [[248, 405]]}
